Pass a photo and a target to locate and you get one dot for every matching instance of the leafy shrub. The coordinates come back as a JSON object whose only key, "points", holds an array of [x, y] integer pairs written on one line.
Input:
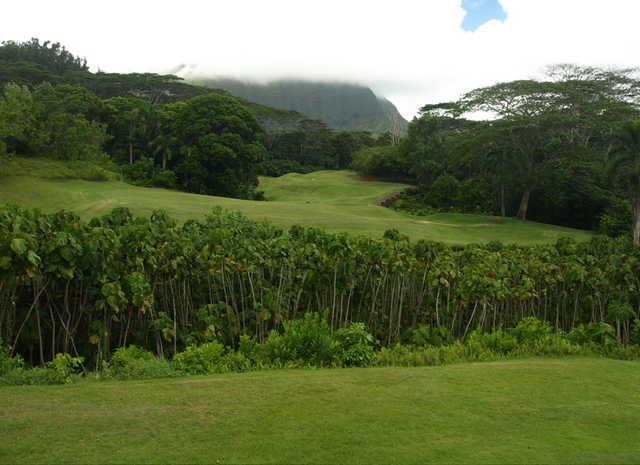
{"points": [[7, 362], [200, 360], [384, 161], [306, 341], [355, 345], [425, 335], [33, 376], [140, 172], [63, 369], [552, 346], [634, 337], [620, 310], [164, 178], [532, 330], [248, 346], [444, 190], [235, 362], [618, 351], [402, 355], [498, 341], [66, 366], [135, 363], [599, 333], [617, 220]]}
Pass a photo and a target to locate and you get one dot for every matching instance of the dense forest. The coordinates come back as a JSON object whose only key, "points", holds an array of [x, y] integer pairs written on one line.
{"points": [[156, 130], [562, 150]]}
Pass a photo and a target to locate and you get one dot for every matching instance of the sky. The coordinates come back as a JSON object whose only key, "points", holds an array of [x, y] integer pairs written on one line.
{"points": [[479, 12], [413, 52]]}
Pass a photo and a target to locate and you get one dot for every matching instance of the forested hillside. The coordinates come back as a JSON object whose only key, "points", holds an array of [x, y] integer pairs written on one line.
{"points": [[339, 105], [156, 130], [562, 149]]}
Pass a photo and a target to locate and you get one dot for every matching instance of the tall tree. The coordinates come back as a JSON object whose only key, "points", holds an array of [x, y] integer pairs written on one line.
{"points": [[625, 162]]}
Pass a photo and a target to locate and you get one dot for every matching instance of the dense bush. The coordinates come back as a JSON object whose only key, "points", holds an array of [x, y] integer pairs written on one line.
{"points": [[424, 335], [163, 286], [306, 341], [135, 363], [63, 369], [383, 161], [7, 362], [200, 360], [593, 333], [355, 345]]}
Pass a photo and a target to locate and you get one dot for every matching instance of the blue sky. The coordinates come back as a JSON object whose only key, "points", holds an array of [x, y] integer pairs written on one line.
{"points": [[480, 12]]}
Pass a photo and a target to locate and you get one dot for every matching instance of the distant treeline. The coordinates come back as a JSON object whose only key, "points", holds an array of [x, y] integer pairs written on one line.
{"points": [[563, 150], [86, 288]]}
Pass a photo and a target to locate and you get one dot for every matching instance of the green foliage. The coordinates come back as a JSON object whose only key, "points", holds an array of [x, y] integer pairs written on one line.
{"points": [[616, 221], [356, 345], [63, 369], [99, 169], [424, 335], [599, 333], [66, 366], [499, 341], [444, 190], [8, 363], [202, 359], [384, 161], [306, 341], [620, 310], [531, 330], [33, 377], [133, 362]]}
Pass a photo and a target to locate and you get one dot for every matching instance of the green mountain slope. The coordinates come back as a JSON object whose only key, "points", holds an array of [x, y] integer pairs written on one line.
{"points": [[339, 105]]}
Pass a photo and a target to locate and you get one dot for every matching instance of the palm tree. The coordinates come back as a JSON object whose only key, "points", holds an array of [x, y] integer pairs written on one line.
{"points": [[625, 161], [163, 144]]}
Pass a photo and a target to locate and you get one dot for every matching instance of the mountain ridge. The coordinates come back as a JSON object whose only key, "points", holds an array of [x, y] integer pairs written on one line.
{"points": [[343, 106]]}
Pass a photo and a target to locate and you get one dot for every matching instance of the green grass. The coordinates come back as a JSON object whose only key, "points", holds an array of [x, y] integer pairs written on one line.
{"points": [[572, 410], [333, 200]]}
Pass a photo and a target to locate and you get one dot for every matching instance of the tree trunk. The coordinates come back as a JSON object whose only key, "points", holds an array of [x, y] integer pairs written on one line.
{"points": [[164, 161], [503, 208], [131, 153], [636, 215], [524, 204]]}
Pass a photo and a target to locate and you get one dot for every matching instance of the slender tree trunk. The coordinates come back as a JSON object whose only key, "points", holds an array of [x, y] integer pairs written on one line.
{"points": [[130, 153], [636, 215], [164, 161], [503, 208], [524, 204]]}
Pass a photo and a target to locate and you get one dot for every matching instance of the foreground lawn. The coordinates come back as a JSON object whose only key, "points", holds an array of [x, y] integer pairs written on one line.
{"points": [[535, 411], [333, 200]]}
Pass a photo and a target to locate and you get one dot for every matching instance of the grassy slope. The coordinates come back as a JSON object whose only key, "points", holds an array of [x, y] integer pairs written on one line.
{"points": [[336, 201], [533, 411]]}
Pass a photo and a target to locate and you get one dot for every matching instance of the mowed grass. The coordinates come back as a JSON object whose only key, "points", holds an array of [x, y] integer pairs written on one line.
{"points": [[533, 411], [337, 201]]}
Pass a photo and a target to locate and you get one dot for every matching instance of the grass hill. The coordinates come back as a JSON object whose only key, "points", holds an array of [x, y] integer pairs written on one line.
{"points": [[333, 200], [531, 411], [339, 105]]}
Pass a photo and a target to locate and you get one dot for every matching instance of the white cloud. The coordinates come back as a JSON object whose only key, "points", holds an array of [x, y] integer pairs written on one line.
{"points": [[412, 51]]}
